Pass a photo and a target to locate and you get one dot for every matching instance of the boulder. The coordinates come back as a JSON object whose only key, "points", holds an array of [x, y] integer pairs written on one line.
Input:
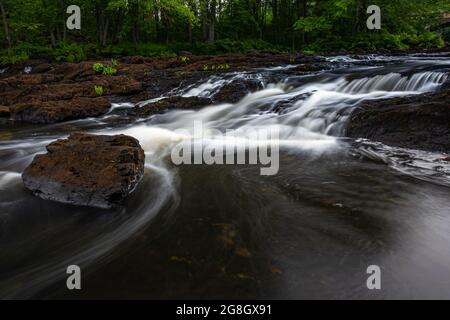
{"points": [[87, 170], [416, 122]]}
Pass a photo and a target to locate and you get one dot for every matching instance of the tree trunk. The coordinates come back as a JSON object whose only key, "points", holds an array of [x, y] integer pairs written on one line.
{"points": [[190, 32], [5, 24], [212, 21], [105, 32], [52, 38]]}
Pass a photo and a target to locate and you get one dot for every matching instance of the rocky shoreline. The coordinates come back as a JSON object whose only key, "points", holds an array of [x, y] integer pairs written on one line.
{"points": [[40, 92]]}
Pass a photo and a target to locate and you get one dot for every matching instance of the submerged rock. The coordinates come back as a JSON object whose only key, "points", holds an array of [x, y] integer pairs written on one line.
{"points": [[416, 122], [87, 170]]}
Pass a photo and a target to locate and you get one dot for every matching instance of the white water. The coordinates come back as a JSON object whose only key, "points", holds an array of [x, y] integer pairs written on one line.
{"points": [[313, 121]]}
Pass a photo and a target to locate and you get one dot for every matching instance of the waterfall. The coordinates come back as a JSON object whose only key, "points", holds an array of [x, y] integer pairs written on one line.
{"points": [[315, 112]]}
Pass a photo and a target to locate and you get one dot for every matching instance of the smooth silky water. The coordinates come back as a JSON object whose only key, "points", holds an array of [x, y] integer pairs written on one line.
{"points": [[335, 207]]}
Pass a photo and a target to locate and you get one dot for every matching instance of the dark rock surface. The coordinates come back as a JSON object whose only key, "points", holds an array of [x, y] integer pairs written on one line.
{"points": [[236, 90], [59, 110], [416, 122], [171, 103], [88, 170], [4, 112]]}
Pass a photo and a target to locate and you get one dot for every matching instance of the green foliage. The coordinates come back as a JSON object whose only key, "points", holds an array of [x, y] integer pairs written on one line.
{"points": [[109, 71], [98, 90], [309, 24], [185, 59], [150, 28], [98, 67], [106, 70], [334, 25], [8, 59], [69, 52], [114, 63]]}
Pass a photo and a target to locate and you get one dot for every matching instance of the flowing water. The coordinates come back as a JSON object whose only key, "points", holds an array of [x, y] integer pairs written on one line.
{"points": [[335, 207]]}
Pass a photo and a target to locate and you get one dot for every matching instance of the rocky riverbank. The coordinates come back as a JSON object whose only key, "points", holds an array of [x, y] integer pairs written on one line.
{"points": [[39, 92]]}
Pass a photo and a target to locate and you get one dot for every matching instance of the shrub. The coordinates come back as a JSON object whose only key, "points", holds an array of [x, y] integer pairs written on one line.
{"points": [[8, 59], [70, 52]]}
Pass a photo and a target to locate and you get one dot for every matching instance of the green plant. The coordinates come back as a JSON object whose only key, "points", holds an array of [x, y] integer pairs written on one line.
{"points": [[114, 63], [98, 90], [70, 52], [98, 67], [109, 71], [13, 58], [185, 59], [105, 70]]}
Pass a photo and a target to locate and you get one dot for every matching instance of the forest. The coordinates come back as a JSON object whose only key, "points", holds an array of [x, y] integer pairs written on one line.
{"points": [[165, 27]]}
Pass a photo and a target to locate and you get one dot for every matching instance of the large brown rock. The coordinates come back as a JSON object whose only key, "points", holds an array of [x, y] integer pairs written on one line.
{"points": [[87, 170], [416, 122]]}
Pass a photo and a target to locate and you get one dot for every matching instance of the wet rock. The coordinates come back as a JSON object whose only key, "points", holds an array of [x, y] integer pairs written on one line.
{"points": [[87, 170], [416, 122], [171, 103], [236, 90], [4, 112], [122, 86], [59, 110], [311, 67], [42, 68], [133, 60], [184, 53]]}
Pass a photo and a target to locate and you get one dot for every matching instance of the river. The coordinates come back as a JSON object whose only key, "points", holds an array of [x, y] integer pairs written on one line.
{"points": [[336, 205]]}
